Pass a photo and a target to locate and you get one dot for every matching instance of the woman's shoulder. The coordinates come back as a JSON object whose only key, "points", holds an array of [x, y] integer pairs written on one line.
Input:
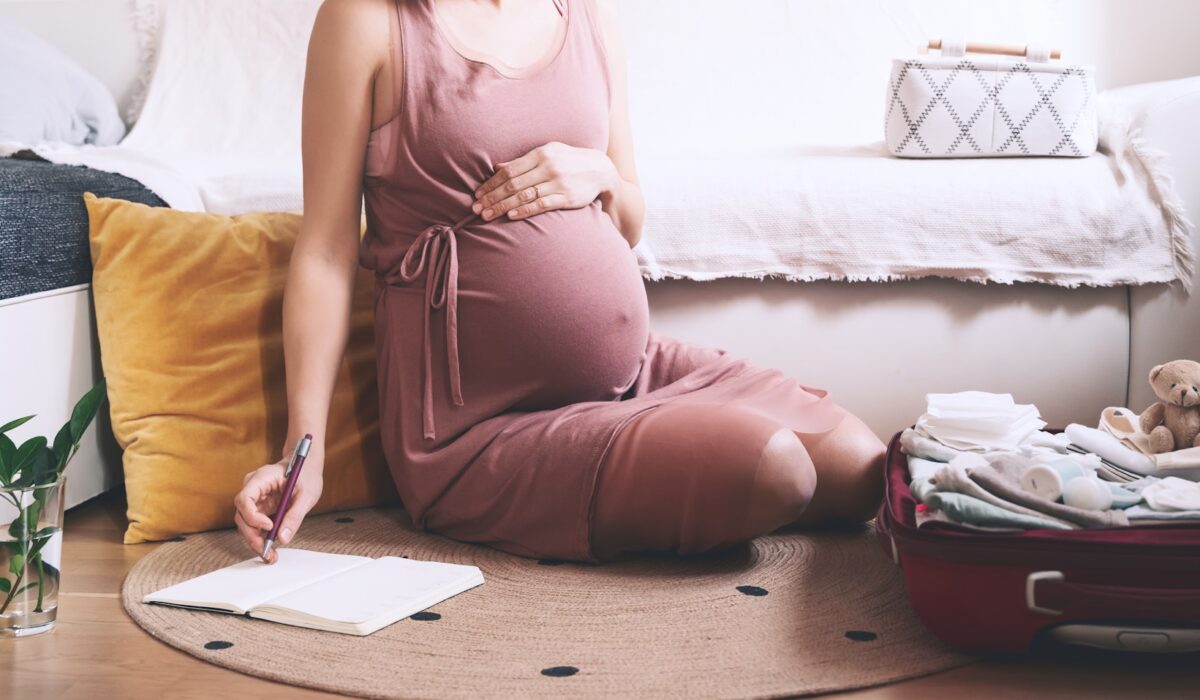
{"points": [[359, 26]]}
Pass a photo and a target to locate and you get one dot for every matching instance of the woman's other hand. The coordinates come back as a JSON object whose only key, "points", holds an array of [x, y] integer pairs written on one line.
{"points": [[553, 176], [259, 497]]}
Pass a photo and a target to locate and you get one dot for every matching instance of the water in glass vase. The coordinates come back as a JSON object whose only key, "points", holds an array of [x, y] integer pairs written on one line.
{"points": [[29, 584]]}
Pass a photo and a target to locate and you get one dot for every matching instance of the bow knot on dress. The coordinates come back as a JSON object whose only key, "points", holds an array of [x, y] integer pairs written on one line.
{"points": [[434, 254]]}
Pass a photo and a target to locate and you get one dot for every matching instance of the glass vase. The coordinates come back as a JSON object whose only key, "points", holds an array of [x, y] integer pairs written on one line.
{"points": [[30, 557]]}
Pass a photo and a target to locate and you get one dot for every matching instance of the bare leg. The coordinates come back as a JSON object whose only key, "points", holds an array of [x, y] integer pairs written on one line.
{"points": [[694, 477], [849, 466]]}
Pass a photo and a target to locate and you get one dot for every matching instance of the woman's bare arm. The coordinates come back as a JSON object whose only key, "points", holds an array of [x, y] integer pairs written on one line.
{"points": [[623, 200], [338, 87], [349, 44]]}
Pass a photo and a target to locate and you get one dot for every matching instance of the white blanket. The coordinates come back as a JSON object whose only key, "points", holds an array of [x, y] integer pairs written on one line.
{"points": [[220, 131], [857, 214]]}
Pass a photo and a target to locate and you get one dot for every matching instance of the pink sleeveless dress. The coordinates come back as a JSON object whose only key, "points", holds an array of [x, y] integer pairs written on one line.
{"points": [[511, 354]]}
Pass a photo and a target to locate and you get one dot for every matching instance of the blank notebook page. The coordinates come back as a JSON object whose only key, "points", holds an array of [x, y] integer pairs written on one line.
{"points": [[384, 588], [253, 581]]}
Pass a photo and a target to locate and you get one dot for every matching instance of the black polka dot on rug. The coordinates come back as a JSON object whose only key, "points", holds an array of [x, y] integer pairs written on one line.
{"points": [[218, 645], [861, 635], [752, 590], [551, 562], [425, 615], [343, 520], [560, 671]]}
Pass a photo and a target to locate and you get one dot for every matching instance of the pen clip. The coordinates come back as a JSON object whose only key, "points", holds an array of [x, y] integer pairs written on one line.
{"points": [[301, 450]]}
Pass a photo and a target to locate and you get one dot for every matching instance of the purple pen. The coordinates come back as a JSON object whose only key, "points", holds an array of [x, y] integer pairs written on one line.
{"points": [[292, 474]]}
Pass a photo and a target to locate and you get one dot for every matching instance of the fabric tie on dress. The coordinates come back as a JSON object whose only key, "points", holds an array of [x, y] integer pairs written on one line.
{"points": [[434, 253]]}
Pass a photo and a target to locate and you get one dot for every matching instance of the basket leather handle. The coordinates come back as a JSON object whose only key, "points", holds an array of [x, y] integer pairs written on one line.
{"points": [[1049, 593], [1031, 51]]}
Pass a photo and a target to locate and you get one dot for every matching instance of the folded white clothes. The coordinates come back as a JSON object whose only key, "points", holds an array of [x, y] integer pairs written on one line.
{"points": [[1173, 494], [978, 421], [1125, 425], [1041, 441], [1104, 468], [1109, 448]]}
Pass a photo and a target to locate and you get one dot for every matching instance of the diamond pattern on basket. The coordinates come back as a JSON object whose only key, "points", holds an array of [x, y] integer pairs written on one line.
{"points": [[965, 109]]}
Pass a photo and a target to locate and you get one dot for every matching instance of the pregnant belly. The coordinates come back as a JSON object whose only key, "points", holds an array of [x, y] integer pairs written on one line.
{"points": [[552, 308]]}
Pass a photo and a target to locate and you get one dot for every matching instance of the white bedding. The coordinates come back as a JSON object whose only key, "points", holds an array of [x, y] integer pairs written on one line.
{"points": [[857, 214], [220, 131]]}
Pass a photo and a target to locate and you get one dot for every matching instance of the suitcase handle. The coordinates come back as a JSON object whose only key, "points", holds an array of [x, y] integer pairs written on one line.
{"points": [[1049, 593]]}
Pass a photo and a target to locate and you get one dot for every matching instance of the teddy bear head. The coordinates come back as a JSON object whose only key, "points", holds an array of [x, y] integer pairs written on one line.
{"points": [[1177, 382]]}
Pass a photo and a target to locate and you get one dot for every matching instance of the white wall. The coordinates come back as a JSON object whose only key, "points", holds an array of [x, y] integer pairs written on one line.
{"points": [[809, 70], [767, 73]]}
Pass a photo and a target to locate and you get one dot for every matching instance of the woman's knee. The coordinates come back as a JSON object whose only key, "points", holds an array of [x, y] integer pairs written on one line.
{"points": [[784, 483], [850, 463]]}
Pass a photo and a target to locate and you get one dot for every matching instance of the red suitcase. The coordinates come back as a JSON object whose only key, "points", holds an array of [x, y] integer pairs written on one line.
{"points": [[1119, 588]]}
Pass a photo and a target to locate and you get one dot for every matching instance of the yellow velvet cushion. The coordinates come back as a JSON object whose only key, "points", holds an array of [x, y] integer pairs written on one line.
{"points": [[189, 315]]}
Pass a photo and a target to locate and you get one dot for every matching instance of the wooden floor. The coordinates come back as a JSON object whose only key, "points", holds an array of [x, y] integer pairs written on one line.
{"points": [[96, 652]]}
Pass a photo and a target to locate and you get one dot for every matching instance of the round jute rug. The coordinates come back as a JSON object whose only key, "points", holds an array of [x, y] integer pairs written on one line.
{"points": [[787, 614]]}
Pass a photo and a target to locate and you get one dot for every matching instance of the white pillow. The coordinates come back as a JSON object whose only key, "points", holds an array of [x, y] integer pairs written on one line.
{"points": [[223, 105], [46, 97]]}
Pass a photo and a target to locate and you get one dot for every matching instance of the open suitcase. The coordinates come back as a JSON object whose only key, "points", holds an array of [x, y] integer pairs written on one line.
{"points": [[1132, 588]]}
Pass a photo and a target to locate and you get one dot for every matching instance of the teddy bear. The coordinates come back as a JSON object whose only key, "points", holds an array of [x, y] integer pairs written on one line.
{"points": [[1174, 422]]}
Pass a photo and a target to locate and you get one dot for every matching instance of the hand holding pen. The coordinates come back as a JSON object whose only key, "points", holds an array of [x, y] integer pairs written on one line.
{"points": [[287, 490]]}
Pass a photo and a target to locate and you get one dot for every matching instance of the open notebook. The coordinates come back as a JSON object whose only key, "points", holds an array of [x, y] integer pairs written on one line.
{"points": [[332, 592]]}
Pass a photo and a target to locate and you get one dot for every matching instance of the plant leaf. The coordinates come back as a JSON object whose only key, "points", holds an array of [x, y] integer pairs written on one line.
{"points": [[15, 564], [39, 468], [43, 469], [18, 531], [85, 410], [23, 525], [8, 454], [5, 585], [25, 453], [62, 445], [14, 423]]}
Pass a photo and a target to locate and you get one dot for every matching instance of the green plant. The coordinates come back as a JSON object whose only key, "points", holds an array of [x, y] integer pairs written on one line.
{"points": [[37, 462]]}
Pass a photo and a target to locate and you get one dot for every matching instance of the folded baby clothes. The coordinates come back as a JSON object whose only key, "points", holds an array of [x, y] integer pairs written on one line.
{"points": [[1139, 515], [915, 444], [925, 516], [978, 421], [952, 478], [1173, 494], [1109, 448], [1125, 425], [1002, 484], [1040, 441], [963, 508], [920, 468]]}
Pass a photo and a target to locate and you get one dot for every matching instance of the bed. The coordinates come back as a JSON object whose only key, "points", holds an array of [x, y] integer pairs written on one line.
{"points": [[879, 347], [49, 355]]}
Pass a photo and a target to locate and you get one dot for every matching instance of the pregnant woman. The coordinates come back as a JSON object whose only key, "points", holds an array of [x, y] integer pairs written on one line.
{"points": [[524, 402]]}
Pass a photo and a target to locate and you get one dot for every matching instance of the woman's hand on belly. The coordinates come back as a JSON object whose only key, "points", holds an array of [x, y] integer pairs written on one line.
{"points": [[553, 176]]}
